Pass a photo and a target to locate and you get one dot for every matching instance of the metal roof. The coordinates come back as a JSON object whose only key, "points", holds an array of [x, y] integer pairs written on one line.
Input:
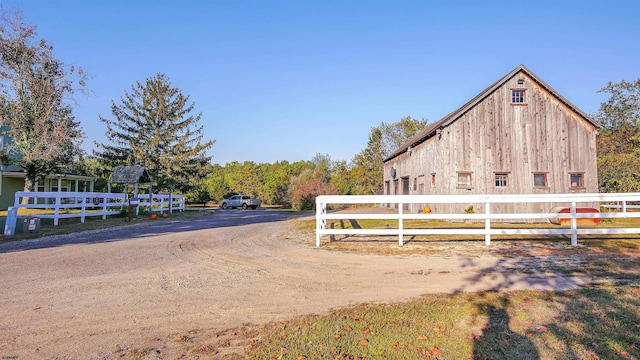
{"points": [[432, 129]]}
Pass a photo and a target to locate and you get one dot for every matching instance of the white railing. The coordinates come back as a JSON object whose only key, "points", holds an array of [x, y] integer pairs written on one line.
{"points": [[618, 201], [70, 204], [162, 202]]}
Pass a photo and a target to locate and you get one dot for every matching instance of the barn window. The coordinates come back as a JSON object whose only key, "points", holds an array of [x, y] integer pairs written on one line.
{"points": [[501, 179], [464, 180], [517, 96], [433, 179], [540, 180], [577, 180]]}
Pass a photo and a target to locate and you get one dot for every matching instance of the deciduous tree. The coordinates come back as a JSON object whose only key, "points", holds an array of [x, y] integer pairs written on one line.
{"points": [[35, 94], [619, 140], [367, 169]]}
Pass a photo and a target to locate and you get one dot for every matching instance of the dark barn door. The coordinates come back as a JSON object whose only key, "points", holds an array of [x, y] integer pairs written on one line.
{"points": [[405, 191]]}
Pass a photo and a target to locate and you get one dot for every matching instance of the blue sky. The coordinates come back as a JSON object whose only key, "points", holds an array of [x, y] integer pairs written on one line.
{"points": [[285, 80]]}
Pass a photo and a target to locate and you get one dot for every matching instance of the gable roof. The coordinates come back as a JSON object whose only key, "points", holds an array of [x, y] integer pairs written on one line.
{"points": [[130, 175], [432, 129]]}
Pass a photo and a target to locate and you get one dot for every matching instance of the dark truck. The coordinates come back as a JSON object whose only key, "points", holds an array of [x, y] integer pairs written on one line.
{"points": [[243, 201]]}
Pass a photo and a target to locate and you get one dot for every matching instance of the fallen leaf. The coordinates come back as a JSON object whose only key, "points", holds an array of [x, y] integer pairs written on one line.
{"points": [[422, 337], [543, 329], [357, 319], [395, 346], [348, 329], [364, 342], [367, 331], [435, 351], [337, 336], [505, 337]]}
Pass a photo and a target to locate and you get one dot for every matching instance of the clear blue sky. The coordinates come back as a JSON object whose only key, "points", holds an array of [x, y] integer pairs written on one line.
{"points": [[285, 80]]}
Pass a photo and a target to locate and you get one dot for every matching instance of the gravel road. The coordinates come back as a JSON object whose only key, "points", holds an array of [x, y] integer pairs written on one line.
{"points": [[94, 295]]}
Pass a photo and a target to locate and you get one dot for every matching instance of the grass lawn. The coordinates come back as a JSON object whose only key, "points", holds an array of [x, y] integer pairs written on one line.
{"points": [[594, 322]]}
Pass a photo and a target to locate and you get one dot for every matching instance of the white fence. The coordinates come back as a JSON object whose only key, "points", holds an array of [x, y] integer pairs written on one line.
{"points": [[83, 204], [618, 202], [67, 204], [162, 202]]}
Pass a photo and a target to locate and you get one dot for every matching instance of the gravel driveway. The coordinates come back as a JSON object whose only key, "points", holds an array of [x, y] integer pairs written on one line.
{"points": [[94, 295]]}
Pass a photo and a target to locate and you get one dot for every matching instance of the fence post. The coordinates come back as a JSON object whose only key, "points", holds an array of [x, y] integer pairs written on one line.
{"points": [[400, 224], [10, 223], [487, 224], [321, 210], [56, 211], [104, 206], [83, 211], [574, 224]]}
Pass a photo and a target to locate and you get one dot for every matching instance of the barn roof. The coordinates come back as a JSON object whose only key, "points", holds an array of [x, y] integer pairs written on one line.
{"points": [[130, 175], [432, 129]]}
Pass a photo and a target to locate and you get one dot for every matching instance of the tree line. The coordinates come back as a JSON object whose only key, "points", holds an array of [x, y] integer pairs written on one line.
{"points": [[155, 125], [297, 184]]}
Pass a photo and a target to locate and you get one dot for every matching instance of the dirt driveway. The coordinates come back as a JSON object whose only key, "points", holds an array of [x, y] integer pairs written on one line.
{"points": [[109, 294]]}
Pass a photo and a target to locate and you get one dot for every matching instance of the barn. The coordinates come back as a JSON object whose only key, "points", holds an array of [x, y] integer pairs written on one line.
{"points": [[518, 136]]}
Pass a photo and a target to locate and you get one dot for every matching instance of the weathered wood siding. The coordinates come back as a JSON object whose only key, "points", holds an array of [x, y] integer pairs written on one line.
{"points": [[495, 136]]}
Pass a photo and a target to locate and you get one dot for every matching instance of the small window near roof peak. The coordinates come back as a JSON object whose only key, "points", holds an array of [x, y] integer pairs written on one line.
{"points": [[517, 96]]}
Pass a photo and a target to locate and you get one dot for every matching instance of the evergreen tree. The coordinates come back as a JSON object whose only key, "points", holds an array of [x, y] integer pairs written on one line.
{"points": [[153, 126], [34, 111]]}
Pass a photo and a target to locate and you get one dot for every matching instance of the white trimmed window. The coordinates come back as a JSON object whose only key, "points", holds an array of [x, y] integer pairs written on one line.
{"points": [[518, 96], [501, 179]]}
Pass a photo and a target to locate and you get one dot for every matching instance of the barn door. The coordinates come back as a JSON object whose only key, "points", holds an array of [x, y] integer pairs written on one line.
{"points": [[405, 191]]}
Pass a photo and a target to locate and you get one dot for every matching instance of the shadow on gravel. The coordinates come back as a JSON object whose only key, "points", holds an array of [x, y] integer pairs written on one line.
{"points": [[598, 319], [217, 220]]}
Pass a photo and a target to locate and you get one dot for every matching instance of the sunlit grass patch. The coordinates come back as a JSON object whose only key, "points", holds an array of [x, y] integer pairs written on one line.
{"points": [[597, 322]]}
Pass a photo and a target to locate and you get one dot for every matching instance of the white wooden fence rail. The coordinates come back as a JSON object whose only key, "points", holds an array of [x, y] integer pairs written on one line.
{"points": [[620, 202], [66, 204], [163, 202]]}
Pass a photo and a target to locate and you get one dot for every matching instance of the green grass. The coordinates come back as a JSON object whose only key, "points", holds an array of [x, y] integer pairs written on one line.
{"points": [[596, 322]]}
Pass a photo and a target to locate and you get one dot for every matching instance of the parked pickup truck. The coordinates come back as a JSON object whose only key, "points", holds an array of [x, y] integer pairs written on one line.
{"points": [[243, 201]]}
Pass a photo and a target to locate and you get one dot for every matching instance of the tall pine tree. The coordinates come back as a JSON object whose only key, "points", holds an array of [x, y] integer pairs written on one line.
{"points": [[153, 126]]}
